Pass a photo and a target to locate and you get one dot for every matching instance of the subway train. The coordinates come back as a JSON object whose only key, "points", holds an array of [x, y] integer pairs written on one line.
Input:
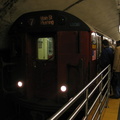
{"points": [[52, 55]]}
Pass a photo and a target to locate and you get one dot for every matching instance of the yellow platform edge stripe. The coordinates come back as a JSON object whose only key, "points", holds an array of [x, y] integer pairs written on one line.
{"points": [[111, 112]]}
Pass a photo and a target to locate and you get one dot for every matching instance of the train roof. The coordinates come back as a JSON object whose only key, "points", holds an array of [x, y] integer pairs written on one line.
{"points": [[53, 20]]}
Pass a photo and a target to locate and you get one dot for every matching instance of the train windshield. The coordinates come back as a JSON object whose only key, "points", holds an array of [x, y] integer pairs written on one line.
{"points": [[45, 50]]}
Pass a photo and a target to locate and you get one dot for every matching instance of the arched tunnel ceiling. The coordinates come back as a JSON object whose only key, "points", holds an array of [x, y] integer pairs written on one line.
{"points": [[102, 15]]}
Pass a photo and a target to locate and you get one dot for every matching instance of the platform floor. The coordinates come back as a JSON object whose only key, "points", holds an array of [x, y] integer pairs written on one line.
{"points": [[112, 111]]}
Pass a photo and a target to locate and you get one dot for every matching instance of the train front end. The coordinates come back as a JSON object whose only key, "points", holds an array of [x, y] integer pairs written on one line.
{"points": [[51, 52]]}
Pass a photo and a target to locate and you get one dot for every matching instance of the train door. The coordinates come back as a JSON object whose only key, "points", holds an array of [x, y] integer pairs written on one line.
{"points": [[69, 69], [41, 66], [96, 50], [93, 67], [85, 54], [99, 49]]}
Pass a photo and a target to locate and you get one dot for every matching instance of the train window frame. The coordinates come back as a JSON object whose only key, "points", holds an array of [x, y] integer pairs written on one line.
{"points": [[45, 48]]}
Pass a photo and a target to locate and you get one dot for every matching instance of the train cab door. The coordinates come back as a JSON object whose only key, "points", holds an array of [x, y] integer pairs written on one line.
{"points": [[85, 54], [41, 66], [69, 68]]}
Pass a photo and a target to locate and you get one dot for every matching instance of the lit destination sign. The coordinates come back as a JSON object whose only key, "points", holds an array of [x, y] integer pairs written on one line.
{"points": [[46, 20]]}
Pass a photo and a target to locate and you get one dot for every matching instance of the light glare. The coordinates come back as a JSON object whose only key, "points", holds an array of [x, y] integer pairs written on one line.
{"points": [[63, 88], [20, 84], [93, 33]]}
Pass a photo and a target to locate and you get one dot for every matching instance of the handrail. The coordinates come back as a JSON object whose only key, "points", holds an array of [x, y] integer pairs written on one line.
{"points": [[100, 97]]}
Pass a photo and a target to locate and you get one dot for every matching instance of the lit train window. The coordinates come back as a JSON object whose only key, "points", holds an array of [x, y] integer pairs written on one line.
{"points": [[45, 48]]}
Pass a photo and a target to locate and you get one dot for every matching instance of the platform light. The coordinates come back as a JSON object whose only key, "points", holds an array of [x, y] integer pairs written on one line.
{"points": [[20, 84], [118, 8], [104, 37], [63, 88], [93, 33], [119, 23], [119, 28]]}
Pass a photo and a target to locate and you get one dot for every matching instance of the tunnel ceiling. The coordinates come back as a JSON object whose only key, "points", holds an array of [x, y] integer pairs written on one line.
{"points": [[102, 15]]}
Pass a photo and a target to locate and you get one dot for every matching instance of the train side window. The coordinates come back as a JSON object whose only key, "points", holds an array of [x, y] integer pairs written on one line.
{"points": [[45, 48]]}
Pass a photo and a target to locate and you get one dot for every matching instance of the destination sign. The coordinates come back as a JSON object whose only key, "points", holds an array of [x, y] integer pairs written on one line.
{"points": [[46, 20]]}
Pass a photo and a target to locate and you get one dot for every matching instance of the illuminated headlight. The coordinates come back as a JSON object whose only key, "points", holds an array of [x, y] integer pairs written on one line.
{"points": [[20, 84], [63, 88]]}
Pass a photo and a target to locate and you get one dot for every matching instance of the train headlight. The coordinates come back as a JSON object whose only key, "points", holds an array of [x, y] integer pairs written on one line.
{"points": [[20, 84], [63, 88]]}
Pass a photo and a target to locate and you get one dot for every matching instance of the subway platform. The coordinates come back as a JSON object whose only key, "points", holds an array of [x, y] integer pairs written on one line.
{"points": [[112, 112]]}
